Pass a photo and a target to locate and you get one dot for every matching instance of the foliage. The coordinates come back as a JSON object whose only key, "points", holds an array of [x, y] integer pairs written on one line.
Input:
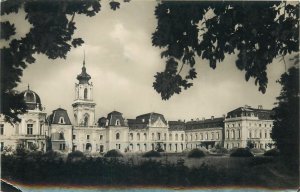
{"points": [[113, 153], [250, 144], [256, 31], [51, 33], [76, 156], [256, 150], [241, 152], [196, 153], [285, 130], [272, 152], [159, 148], [152, 154], [219, 150]]}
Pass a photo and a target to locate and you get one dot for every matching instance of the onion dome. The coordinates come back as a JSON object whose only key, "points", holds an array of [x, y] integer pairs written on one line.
{"points": [[32, 99], [83, 77]]}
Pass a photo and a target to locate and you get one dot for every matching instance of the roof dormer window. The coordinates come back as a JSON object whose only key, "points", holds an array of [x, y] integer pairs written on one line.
{"points": [[117, 122]]}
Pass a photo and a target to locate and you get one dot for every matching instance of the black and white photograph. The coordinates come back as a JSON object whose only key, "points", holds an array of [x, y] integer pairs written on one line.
{"points": [[149, 95]]}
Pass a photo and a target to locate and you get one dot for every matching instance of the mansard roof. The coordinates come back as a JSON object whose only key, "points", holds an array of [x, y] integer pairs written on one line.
{"points": [[262, 114], [150, 118], [176, 125], [206, 123], [115, 118], [59, 116]]}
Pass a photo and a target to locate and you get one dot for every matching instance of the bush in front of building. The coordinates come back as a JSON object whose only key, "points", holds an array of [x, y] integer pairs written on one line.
{"points": [[152, 153], [113, 153], [52, 155], [242, 152], [76, 156], [256, 150], [196, 153], [272, 152], [218, 149]]}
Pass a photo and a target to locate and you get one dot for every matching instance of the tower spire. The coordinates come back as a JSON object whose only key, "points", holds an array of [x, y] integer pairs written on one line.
{"points": [[83, 58]]}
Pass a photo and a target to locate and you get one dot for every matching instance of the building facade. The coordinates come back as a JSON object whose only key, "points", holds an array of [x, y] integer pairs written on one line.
{"points": [[146, 132]]}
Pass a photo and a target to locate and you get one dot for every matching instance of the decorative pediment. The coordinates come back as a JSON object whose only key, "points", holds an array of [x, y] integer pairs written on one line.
{"points": [[158, 123]]}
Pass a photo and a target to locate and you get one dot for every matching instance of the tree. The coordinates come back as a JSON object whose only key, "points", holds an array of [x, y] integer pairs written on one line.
{"points": [[256, 31], [285, 131], [51, 34]]}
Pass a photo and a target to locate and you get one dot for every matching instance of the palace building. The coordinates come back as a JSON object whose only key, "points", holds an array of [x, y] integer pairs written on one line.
{"points": [[146, 132]]}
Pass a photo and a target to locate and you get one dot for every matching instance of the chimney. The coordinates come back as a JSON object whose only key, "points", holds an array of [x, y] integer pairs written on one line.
{"points": [[212, 117], [260, 107]]}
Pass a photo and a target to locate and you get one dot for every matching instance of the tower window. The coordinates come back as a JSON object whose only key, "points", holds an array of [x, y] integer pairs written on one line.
{"points": [[61, 120], [117, 122], [85, 93], [61, 136], [87, 137], [117, 136], [1, 129], [86, 120]]}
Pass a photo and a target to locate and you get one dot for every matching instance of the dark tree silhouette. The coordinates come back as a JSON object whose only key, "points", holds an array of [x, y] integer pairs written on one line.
{"points": [[51, 34], [285, 131], [256, 31]]}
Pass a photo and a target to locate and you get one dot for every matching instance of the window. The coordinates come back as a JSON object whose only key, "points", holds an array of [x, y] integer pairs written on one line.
{"points": [[182, 137], [250, 134], [101, 137], [145, 136], [62, 146], [158, 136], [29, 129], [138, 136], [233, 134], [118, 146], [165, 136], [61, 120], [227, 134], [218, 136], [61, 136], [176, 137], [131, 136], [201, 136], [265, 134], [191, 137], [85, 93], [139, 147], [170, 137], [86, 120], [206, 136], [196, 136], [212, 136], [117, 122], [152, 136], [101, 148], [74, 136], [2, 146], [87, 137], [1, 129], [239, 133], [117, 136], [260, 134]]}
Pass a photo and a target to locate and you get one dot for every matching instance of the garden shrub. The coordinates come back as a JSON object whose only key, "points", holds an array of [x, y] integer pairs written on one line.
{"points": [[272, 152], [241, 152], [219, 150], [52, 155], [196, 153], [152, 154], [113, 153], [256, 150], [76, 156]]}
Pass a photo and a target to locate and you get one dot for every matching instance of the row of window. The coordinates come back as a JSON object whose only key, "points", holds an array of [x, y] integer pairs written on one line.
{"points": [[250, 124], [261, 134], [158, 136], [205, 136], [231, 134]]}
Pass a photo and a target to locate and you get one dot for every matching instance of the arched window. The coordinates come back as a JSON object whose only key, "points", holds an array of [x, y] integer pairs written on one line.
{"points": [[170, 137], [138, 136], [131, 136], [117, 122], [61, 136], [176, 137], [86, 121], [145, 136], [61, 120], [182, 137], [85, 93], [117, 136], [233, 134]]}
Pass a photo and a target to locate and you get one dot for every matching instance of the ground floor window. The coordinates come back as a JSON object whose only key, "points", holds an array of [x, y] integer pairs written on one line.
{"points": [[74, 148], [101, 148]]}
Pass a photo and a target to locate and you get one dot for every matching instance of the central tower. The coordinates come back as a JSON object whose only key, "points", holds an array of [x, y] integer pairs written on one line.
{"points": [[84, 105]]}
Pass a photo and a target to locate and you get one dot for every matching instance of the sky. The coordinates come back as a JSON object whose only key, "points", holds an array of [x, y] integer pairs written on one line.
{"points": [[122, 63]]}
